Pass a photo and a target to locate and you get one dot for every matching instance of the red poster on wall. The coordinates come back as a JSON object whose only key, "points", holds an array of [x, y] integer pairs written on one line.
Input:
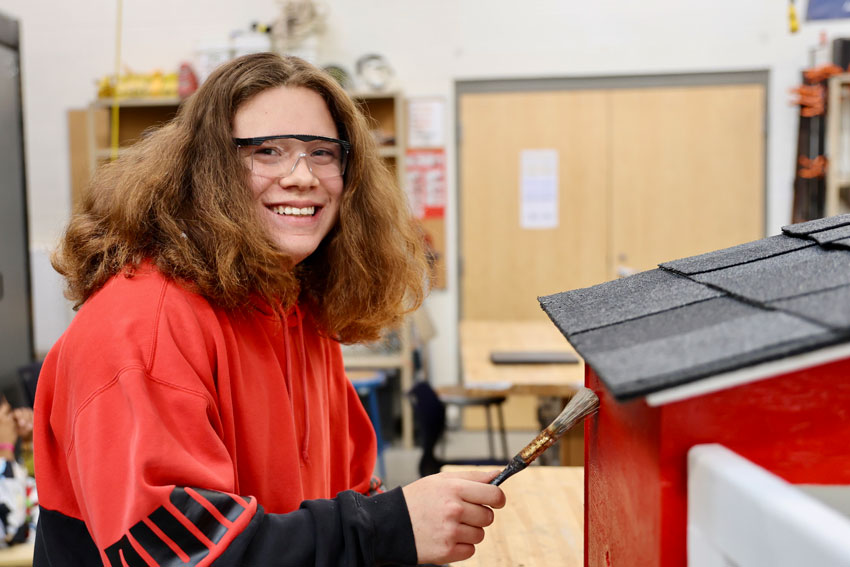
{"points": [[425, 169], [426, 182]]}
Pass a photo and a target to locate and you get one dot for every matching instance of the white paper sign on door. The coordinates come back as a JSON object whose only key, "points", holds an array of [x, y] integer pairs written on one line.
{"points": [[538, 189]]}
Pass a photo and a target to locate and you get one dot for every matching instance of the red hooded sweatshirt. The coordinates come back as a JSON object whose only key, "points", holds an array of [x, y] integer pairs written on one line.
{"points": [[171, 432]]}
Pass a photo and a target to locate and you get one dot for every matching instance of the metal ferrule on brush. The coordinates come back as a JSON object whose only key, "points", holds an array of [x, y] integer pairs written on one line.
{"points": [[540, 443], [526, 456]]}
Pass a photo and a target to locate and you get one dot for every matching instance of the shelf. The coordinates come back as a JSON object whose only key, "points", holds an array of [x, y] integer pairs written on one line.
{"points": [[106, 153], [374, 95], [133, 102], [835, 200], [389, 152], [842, 79], [373, 361]]}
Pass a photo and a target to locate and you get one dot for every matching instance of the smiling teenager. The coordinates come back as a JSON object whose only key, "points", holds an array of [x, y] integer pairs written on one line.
{"points": [[196, 411]]}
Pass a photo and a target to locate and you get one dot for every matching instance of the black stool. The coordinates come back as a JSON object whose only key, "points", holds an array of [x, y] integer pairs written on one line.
{"points": [[487, 402], [429, 411]]}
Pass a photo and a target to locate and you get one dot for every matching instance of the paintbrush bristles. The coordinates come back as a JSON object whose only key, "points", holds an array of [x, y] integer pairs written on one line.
{"points": [[583, 403]]}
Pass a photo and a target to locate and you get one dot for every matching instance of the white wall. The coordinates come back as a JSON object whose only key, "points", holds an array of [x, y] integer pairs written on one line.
{"points": [[431, 44]]}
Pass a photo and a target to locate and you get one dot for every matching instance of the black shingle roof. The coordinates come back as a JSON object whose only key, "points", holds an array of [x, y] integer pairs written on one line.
{"points": [[714, 313]]}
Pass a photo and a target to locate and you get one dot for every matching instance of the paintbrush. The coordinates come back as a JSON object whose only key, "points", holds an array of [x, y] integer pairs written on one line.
{"points": [[583, 403]]}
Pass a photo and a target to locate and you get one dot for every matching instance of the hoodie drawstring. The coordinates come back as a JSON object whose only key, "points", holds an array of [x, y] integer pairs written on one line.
{"points": [[305, 452], [286, 347], [302, 355]]}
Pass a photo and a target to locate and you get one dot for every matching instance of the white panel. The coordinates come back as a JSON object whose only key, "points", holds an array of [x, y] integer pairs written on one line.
{"points": [[836, 497], [753, 518], [701, 553]]}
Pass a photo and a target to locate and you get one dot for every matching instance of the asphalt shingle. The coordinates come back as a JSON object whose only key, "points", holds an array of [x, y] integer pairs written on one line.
{"points": [[741, 254], [778, 277], [830, 307], [621, 300], [809, 227], [716, 312], [843, 243], [830, 235], [679, 346]]}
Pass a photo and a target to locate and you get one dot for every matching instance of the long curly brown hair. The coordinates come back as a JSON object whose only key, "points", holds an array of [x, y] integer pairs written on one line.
{"points": [[181, 199]]}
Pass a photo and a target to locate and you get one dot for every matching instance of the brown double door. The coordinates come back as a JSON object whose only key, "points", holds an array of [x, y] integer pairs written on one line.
{"points": [[643, 175]]}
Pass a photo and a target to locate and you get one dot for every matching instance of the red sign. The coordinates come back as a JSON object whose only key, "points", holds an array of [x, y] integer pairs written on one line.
{"points": [[426, 182]]}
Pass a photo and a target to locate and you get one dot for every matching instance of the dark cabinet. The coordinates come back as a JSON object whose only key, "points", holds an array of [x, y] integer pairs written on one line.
{"points": [[16, 336]]}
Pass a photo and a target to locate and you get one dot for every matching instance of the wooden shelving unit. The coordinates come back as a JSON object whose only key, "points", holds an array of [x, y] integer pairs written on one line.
{"points": [[837, 200], [386, 112], [89, 132], [134, 117]]}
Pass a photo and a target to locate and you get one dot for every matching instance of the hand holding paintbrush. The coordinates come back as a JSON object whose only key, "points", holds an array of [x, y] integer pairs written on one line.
{"points": [[583, 403]]}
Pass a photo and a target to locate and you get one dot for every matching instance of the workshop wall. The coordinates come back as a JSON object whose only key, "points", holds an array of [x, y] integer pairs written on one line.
{"points": [[430, 45]]}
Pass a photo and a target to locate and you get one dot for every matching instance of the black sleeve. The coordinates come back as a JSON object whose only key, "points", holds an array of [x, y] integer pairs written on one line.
{"points": [[350, 530]]}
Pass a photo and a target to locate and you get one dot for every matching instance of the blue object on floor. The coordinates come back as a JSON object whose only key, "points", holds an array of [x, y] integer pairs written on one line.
{"points": [[368, 387]]}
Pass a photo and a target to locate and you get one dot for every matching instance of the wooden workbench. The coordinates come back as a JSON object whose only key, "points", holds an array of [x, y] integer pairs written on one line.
{"points": [[480, 338], [541, 525], [19, 555]]}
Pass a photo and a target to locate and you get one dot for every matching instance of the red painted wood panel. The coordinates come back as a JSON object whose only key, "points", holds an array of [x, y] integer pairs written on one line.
{"points": [[621, 482], [796, 425]]}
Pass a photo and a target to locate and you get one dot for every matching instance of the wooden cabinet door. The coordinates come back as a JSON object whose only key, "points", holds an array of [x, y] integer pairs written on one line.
{"points": [[506, 267], [687, 172]]}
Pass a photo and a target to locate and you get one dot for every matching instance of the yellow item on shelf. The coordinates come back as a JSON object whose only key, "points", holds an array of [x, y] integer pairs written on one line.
{"points": [[104, 88], [793, 22], [139, 85]]}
